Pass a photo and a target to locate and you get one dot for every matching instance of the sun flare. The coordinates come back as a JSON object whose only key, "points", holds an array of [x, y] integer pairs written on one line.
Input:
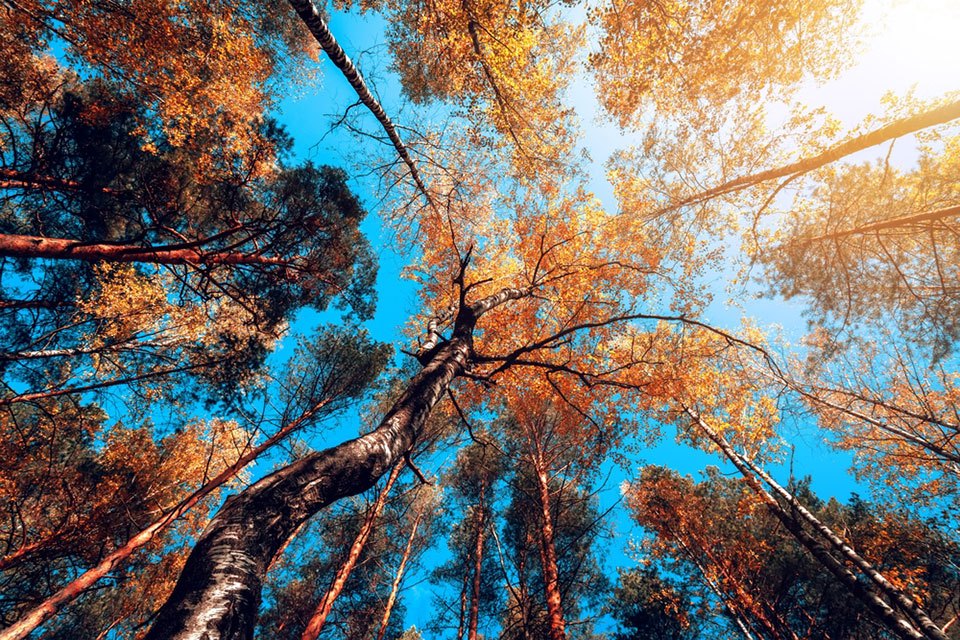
{"points": [[915, 42]]}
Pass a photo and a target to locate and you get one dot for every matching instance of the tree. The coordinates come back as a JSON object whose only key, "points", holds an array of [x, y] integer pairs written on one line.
{"points": [[648, 605], [536, 302], [325, 374], [472, 572], [242, 253], [760, 570]]}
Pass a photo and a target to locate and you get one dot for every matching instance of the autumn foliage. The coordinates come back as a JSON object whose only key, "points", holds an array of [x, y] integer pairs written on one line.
{"points": [[199, 438]]}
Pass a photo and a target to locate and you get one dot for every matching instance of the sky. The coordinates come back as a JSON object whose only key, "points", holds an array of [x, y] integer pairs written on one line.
{"points": [[913, 46]]}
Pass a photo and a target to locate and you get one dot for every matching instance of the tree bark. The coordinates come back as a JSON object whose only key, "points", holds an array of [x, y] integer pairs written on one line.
{"points": [[551, 578], [733, 609], [43, 395], [897, 596], [52, 605], [883, 611], [13, 179], [905, 126], [18, 305], [319, 617], [882, 225], [398, 578], [218, 592], [321, 32], [63, 249], [461, 625], [477, 568]]}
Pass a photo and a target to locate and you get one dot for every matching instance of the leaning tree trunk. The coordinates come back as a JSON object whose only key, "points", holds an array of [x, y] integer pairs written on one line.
{"points": [[894, 621], [322, 612], [894, 594], [218, 593], [898, 128]]}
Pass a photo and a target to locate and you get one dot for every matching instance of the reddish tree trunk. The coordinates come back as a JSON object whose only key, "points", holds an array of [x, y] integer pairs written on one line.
{"points": [[319, 617], [477, 567], [398, 578], [63, 249], [548, 553], [463, 607]]}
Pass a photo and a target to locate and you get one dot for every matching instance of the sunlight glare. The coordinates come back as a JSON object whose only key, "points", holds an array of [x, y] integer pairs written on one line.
{"points": [[915, 43]]}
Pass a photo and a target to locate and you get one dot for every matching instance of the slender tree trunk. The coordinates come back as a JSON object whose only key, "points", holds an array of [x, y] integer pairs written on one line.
{"points": [[477, 567], [321, 33], [524, 590], [22, 552], [49, 607], [54, 393], [463, 606], [319, 617], [882, 225], [897, 596], [63, 249], [773, 627], [896, 129], [923, 443], [893, 620], [398, 578], [13, 179], [733, 609], [551, 578]]}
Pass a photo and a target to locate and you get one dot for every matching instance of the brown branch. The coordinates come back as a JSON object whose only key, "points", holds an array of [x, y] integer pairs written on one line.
{"points": [[882, 225], [22, 246], [896, 129]]}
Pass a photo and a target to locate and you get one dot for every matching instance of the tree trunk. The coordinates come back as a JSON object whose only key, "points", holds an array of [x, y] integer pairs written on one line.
{"points": [[13, 179], [934, 448], [733, 608], [398, 578], [904, 126], [897, 596], [462, 621], [218, 593], [63, 249], [319, 617], [551, 578], [882, 225], [49, 607], [17, 305], [54, 393], [477, 568], [894, 621], [321, 33]]}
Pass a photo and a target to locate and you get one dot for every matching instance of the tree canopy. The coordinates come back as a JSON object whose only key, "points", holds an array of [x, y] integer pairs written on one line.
{"points": [[208, 433]]}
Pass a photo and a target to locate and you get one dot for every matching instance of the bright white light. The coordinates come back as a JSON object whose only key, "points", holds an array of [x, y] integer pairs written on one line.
{"points": [[916, 42]]}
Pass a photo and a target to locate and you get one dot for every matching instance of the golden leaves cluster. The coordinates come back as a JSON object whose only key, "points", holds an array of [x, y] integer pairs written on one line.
{"points": [[679, 56]]}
